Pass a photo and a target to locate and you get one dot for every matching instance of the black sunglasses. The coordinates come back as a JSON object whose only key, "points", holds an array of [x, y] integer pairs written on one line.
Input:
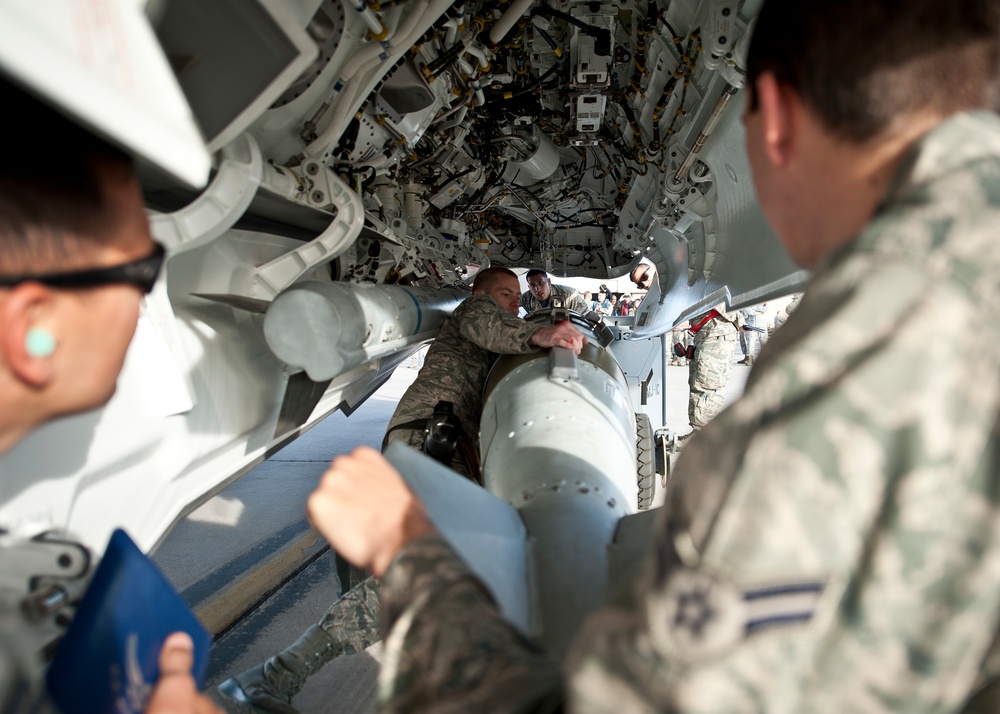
{"points": [[142, 273]]}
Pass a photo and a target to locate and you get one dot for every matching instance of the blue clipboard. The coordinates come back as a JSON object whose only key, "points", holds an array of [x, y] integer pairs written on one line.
{"points": [[109, 658]]}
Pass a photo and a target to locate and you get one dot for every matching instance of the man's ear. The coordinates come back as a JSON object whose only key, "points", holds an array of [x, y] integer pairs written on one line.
{"points": [[26, 338], [778, 104]]}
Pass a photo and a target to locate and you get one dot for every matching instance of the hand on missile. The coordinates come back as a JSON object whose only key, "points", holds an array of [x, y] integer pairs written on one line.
{"points": [[175, 689], [561, 335], [366, 511]]}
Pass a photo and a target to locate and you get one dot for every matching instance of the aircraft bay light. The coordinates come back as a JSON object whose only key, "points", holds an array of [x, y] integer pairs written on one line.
{"points": [[367, 161]]}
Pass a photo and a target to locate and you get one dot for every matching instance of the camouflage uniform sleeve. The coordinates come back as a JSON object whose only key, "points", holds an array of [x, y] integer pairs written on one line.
{"points": [[487, 325], [576, 303], [833, 539], [526, 301], [571, 298], [448, 649]]}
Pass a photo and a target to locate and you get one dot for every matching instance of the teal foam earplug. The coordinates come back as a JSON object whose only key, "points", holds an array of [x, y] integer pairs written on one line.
{"points": [[39, 342]]}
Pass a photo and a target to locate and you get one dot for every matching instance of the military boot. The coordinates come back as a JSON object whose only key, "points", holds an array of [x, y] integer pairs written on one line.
{"points": [[348, 627], [269, 687]]}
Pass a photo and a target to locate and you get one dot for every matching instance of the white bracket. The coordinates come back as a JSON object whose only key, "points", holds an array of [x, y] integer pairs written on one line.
{"points": [[330, 193], [215, 211], [563, 365], [721, 32]]}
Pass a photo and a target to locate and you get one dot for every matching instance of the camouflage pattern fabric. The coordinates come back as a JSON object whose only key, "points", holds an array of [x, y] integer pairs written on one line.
{"points": [[571, 298], [459, 361], [831, 542], [352, 622], [449, 650], [711, 366], [858, 470], [680, 336]]}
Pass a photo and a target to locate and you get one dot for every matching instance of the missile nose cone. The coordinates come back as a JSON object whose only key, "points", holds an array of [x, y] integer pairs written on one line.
{"points": [[307, 329]]}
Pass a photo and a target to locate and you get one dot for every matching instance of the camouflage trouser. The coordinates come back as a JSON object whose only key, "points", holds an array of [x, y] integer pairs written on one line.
{"points": [[682, 336], [748, 341], [352, 622], [415, 438], [710, 368]]}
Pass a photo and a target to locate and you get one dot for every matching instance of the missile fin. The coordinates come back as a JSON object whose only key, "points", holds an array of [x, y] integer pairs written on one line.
{"points": [[632, 541]]}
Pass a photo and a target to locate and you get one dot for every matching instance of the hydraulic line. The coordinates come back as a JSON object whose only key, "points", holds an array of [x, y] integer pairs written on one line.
{"points": [[636, 131], [547, 37], [412, 28], [713, 120], [446, 58], [456, 120], [504, 94], [365, 59], [480, 54], [686, 69], [367, 14], [506, 23], [643, 30]]}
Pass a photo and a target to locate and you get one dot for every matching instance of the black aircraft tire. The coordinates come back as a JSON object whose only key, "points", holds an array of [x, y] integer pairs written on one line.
{"points": [[645, 460]]}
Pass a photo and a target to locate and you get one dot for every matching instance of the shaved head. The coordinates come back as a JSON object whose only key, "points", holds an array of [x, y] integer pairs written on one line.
{"points": [[54, 215], [487, 279], [860, 64]]}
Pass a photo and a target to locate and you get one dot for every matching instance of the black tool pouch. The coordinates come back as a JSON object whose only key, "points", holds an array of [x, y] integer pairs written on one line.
{"points": [[442, 432]]}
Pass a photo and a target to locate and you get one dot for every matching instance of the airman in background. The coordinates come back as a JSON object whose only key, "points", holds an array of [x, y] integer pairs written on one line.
{"points": [[541, 290]]}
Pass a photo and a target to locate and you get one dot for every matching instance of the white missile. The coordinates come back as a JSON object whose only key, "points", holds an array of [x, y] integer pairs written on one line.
{"points": [[559, 455], [558, 441], [329, 328]]}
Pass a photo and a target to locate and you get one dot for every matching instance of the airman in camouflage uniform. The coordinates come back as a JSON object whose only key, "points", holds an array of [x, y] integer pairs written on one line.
{"points": [[714, 343], [841, 528], [456, 368], [831, 542], [457, 364], [868, 501], [542, 290], [748, 338], [70, 207]]}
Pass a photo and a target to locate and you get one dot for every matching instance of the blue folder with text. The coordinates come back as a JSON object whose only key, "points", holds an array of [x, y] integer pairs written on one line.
{"points": [[109, 659]]}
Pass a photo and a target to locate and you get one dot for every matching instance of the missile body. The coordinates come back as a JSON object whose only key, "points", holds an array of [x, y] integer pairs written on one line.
{"points": [[329, 328], [558, 442]]}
